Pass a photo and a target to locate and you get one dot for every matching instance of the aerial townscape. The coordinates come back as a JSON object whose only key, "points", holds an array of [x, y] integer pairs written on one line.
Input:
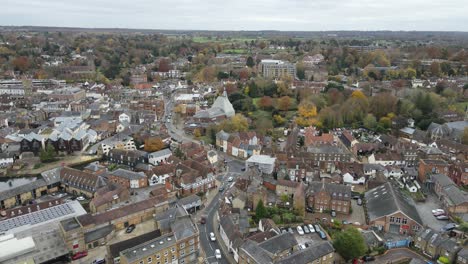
{"points": [[142, 146]]}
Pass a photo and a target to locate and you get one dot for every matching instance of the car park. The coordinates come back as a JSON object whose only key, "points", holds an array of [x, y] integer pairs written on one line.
{"points": [[311, 228], [130, 229], [212, 237], [306, 229], [300, 230], [218, 254]]}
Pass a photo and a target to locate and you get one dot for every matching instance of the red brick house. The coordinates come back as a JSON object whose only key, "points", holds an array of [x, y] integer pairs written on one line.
{"points": [[329, 196]]}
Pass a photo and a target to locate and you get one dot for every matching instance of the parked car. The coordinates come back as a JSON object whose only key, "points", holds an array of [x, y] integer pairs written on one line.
{"points": [[345, 222], [359, 201], [311, 228], [203, 219], [438, 211], [230, 179], [322, 235], [299, 230], [306, 229], [130, 229], [368, 258], [449, 227], [218, 254], [212, 237], [221, 189], [333, 213], [290, 230], [80, 198], [301, 246], [442, 217], [79, 255], [310, 209], [284, 231], [99, 261], [317, 228]]}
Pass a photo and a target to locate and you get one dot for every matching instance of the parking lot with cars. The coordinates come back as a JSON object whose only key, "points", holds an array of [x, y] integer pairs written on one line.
{"points": [[306, 234]]}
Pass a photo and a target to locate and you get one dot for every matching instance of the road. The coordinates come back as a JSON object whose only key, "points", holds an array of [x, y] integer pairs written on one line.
{"points": [[208, 246], [172, 130], [396, 254]]}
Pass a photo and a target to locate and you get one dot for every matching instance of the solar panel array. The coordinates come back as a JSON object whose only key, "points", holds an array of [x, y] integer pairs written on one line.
{"points": [[36, 217]]}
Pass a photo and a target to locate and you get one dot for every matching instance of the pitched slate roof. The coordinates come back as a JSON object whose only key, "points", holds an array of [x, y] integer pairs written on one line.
{"points": [[255, 252], [279, 243], [309, 254], [386, 200]]}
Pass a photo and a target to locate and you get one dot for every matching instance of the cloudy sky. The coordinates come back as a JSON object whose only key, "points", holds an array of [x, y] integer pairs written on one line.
{"points": [[301, 15]]}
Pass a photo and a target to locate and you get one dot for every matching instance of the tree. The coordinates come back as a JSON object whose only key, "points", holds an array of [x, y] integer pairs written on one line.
{"points": [[435, 69], [260, 211], [284, 103], [265, 103], [284, 198], [164, 65], [465, 136], [300, 71], [48, 154], [197, 133], [307, 114], [278, 120], [153, 144], [21, 64], [350, 244], [250, 62], [370, 122], [358, 94]]}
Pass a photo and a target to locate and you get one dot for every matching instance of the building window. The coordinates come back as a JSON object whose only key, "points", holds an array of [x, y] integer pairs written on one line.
{"points": [[150, 260], [398, 220], [404, 221], [158, 256], [173, 249], [192, 241], [141, 262], [392, 219], [192, 248], [182, 245], [165, 253]]}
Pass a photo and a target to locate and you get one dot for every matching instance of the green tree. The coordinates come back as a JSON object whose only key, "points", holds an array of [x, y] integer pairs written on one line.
{"points": [[465, 136], [260, 211], [250, 62], [300, 71], [370, 122], [48, 154], [350, 244]]}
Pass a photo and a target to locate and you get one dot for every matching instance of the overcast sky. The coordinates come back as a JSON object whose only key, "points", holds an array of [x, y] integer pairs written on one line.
{"points": [[301, 15]]}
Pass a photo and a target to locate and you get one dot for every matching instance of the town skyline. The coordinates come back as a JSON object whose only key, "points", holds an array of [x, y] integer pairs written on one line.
{"points": [[241, 15]]}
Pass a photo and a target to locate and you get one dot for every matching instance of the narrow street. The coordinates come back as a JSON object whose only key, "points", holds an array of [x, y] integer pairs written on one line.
{"points": [[397, 254]]}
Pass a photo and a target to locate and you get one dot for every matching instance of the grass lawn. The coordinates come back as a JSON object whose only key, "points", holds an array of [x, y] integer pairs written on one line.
{"points": [[235, 51]]}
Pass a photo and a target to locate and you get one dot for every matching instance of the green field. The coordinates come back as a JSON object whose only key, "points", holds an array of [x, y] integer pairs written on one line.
{"points": [[221, 40], [461, 106]]}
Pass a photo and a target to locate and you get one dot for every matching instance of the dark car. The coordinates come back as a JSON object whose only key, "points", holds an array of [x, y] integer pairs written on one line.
{"points": [[368, 258], [130, 228], [221, 189]]}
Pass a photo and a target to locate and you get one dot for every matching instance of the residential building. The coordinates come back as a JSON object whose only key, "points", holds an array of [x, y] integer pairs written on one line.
{"points": [[119, 141], [128, 179], [277, 69], [427, 167], [130, 158], [179, 245], [389, 211], [107, 196], [323, 197], [453, 199], [79, 182], [159, 157], [320, 253]]}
